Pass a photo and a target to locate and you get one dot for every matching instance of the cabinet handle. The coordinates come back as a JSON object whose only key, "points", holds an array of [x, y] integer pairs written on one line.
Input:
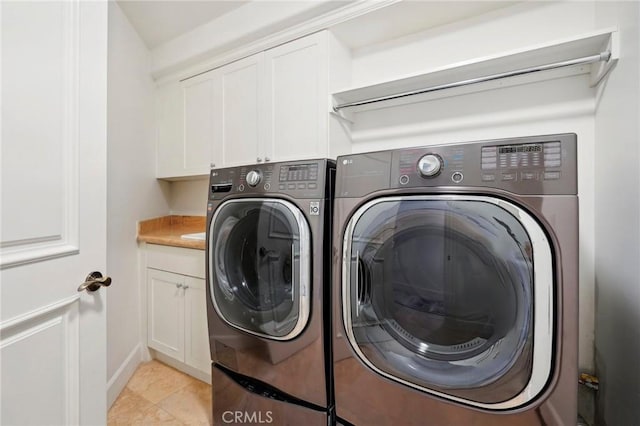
{"points": [[212, 165], [266, 159], [259, 160], [178, 285], [186, 287]]}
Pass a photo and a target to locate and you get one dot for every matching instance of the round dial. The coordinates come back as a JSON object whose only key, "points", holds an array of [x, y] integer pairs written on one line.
{"points": [[253, 177], [430, 165]]}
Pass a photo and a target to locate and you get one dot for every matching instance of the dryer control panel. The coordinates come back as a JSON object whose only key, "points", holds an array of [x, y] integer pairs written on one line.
{"points": [[529, 165]]}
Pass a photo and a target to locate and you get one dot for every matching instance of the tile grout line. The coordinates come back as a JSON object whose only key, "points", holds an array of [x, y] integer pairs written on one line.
{"points": [[155, 405], [167, 397]]}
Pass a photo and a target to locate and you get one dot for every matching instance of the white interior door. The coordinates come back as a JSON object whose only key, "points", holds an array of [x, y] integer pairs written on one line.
{"points": [[53, 204]]}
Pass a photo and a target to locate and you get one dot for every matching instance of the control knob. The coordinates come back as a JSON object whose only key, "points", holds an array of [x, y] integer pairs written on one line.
{"points": [[430, 165], [253, 178]]}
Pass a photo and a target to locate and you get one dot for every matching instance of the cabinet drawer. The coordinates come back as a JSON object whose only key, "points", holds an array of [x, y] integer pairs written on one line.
{"points": [[183, 261]]}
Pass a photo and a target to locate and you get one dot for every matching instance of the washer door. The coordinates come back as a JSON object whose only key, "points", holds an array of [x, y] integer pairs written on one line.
{"points": [[440, 293], [260, 267]]}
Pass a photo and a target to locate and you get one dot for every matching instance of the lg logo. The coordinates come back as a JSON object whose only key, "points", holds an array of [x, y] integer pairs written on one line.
{"points": [[243, 417], [347, 161]]}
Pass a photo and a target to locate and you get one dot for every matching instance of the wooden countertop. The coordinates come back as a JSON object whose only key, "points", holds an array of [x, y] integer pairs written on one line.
{"points": [[168, 231]]}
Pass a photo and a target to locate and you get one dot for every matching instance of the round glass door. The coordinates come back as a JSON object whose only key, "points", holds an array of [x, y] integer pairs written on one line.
{"points": [[259, 267], [440, 294]]}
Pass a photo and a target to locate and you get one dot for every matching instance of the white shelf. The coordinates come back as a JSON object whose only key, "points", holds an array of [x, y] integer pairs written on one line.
{"points": [[586, 45]]}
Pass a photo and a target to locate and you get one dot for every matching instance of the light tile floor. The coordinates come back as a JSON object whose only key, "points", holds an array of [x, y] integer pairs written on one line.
{"points": [[159, 394]]}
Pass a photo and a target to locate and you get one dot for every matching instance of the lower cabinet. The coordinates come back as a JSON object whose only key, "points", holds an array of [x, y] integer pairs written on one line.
{"points": [[177, 319]]}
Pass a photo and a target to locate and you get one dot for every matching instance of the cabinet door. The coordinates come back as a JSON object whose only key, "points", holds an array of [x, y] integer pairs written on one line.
{"points": [[199, 148], [297, 99], [165, 313], [196, 332], [239, 111], [169, 130]]}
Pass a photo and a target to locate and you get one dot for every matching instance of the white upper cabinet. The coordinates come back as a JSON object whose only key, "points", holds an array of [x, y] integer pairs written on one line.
{"points": [[297, 102], [185, 140], [271, 106], [199, 146], [239, 111], [169, 130]]}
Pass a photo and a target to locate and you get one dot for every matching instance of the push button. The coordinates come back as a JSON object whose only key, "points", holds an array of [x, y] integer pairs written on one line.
{"points": [[551, 175], [528, 176]]}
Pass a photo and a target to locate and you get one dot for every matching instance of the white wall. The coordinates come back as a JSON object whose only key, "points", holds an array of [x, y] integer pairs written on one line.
{"points": [[493, 33], [556, 106], [617, 215], [133, 193], [189, 197]]}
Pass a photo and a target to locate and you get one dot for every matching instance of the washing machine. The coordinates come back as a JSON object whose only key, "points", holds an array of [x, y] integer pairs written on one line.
{"points": [[455, 286], [268, 267]]}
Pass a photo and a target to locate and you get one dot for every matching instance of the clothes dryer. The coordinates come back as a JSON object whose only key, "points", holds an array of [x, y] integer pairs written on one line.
{"points": [[268, 253], [455, 287]]}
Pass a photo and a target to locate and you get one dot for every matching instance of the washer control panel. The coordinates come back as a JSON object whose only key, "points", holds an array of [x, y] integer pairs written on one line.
{"points": [[300, 179]]}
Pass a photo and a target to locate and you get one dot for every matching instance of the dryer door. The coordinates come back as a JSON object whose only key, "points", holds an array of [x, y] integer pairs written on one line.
{"points": [[451, 295], [260, 267]]}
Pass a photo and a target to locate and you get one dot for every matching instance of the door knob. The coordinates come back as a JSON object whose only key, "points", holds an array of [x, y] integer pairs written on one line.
{"points": [[94, 281]]}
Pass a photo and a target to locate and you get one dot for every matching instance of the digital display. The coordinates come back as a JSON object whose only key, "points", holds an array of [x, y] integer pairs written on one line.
{"points": [[299, 173], [519, 148]]}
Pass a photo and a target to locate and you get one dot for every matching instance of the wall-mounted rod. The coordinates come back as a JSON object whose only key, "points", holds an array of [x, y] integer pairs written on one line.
{"points": [[604, 56]]}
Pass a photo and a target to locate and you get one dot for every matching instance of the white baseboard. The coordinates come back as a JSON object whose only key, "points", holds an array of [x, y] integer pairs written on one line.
{"points": [[119, 380], [194, 372]]}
